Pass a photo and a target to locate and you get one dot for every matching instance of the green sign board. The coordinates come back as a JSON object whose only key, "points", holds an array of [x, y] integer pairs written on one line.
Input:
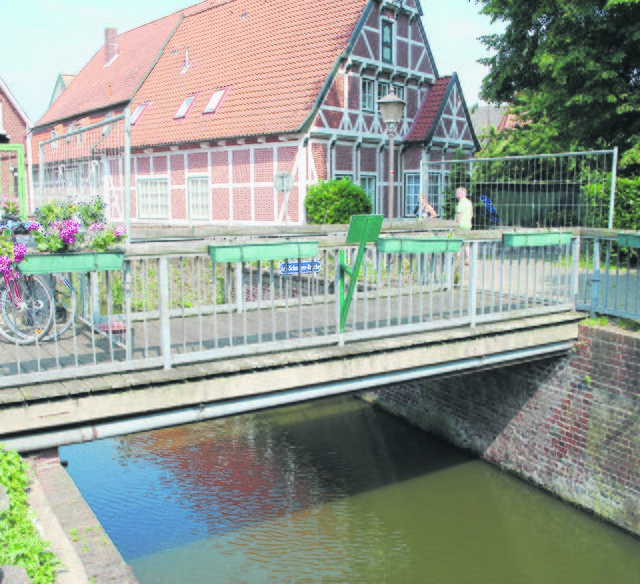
{"points": [[364, 228]]}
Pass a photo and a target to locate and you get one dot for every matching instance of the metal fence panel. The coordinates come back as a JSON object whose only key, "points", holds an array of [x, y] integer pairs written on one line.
{"points": [[85, 163], [552, 190], [609, 280]]}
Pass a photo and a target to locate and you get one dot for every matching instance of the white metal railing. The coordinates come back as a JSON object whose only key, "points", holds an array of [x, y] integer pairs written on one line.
{"points": [[609, 280], [165, 310]]}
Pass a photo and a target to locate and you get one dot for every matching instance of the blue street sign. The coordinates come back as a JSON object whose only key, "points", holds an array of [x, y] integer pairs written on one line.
{"points": [[306, 267]]}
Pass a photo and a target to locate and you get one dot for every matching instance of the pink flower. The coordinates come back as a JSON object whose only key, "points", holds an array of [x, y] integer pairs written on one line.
{"points": [[120, 231], [19, 251], [5, 265], [33, 226], [97, 227]]}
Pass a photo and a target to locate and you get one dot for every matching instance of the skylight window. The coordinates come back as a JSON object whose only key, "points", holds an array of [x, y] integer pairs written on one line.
{"points": [[135, 116], [184, 108], [215, 100]]}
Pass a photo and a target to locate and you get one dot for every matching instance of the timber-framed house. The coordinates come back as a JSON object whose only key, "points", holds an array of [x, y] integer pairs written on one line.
{"points": [[225, 94]]}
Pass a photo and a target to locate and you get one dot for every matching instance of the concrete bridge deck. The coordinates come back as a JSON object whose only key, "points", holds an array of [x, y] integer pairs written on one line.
{"points": [[45, 414]]}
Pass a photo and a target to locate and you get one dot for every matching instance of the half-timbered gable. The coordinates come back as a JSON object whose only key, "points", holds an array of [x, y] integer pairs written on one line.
{"points": [[244, 89]]}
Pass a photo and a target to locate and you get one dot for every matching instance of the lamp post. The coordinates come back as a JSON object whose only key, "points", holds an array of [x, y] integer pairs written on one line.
{"points": [[391, 109]]}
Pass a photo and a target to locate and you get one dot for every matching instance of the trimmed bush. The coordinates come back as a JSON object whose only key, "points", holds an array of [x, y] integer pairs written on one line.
{"points": [[335, 201]]}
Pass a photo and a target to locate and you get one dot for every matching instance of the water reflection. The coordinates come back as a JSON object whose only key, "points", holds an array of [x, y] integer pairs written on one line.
{"points": [[331, 491]]}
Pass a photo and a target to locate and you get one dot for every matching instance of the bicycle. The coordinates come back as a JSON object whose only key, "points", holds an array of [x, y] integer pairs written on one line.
{"points": [[27, 309], [64, 300], [61, 294]]}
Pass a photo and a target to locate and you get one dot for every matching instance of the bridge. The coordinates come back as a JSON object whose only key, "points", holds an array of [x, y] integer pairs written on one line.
{"points": [[191, 330]]}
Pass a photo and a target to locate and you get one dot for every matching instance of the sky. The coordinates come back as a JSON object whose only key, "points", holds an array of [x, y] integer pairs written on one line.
{"points": [[42, 38]]}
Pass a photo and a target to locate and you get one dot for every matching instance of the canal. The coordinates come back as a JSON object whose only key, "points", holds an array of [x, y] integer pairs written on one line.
{"points": [[333, 491]]}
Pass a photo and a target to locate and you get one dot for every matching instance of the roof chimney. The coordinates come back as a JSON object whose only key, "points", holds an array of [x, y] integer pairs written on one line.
{"points": [[110, 45]]}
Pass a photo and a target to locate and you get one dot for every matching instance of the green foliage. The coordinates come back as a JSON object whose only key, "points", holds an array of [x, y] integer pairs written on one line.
{"points": [[335, 201], [105, 239], [54, 211], [92, 211], [627, 204], [20, 542], [570, 69], [64, 226], [9, 206]]}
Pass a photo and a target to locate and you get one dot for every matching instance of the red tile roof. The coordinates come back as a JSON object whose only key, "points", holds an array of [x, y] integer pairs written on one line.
{"points": [[508, 122], [274, 56], [99, 87], [429, 110]]}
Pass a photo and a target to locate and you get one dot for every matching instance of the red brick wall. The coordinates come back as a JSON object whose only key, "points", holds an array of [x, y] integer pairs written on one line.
{"points": [[570, 425], [14, 125]]}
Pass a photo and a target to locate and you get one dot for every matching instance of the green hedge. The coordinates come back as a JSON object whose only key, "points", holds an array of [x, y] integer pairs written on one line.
{"points": [[627, 205], [335, 201], [20, 542]]}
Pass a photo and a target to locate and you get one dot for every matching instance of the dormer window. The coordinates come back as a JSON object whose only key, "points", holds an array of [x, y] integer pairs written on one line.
{"points": [[215, 101], [387, 42], [184, 108], [135, 116]]}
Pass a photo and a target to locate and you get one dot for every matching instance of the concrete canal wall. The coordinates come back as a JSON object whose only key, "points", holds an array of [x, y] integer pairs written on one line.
{"points": [[570, 425]]}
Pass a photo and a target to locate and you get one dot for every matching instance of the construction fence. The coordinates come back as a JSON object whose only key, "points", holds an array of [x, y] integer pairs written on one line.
{"points": [[575, 189]]}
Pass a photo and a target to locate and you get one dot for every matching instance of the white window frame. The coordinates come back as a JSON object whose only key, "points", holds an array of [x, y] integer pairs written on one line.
{"points": [[143, 213], [382, 92], [399, 91], [368, 105], [135, 116], [190, 197], [54, 145], [437, 182], [185, 107], [372, 194], [383, 25], [216, 101], [411, 198]]}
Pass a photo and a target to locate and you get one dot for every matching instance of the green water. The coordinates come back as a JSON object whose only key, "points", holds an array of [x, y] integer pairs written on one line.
{"points": [[334, 491]]}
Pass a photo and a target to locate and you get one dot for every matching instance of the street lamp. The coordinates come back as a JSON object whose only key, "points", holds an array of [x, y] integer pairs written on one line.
{"points": [[391, 109]]}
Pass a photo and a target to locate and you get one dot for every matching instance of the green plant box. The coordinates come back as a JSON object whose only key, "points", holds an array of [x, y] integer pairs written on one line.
{"points": [[536, 238], [629, 240], [250, 252], [419, 244], [50, 263]]}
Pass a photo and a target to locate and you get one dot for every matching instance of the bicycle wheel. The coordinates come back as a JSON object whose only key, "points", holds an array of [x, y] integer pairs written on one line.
{"points": [[27, 310], [64, 297]]}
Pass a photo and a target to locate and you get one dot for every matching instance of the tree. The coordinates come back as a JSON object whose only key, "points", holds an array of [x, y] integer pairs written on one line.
{"points": [[571, 70]]}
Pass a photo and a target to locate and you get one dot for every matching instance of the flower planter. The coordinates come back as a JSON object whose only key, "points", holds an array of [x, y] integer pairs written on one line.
{"points": [[250, 252], [536, 238], [629, 240], [54, 263], [419, 245]]}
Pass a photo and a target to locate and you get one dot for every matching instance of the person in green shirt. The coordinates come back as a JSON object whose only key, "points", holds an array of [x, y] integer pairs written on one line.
{"points": [[464, 209], [464, 217]]}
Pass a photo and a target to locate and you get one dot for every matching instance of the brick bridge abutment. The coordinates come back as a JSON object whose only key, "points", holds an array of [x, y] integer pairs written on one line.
{"points": [[569, 424]]}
